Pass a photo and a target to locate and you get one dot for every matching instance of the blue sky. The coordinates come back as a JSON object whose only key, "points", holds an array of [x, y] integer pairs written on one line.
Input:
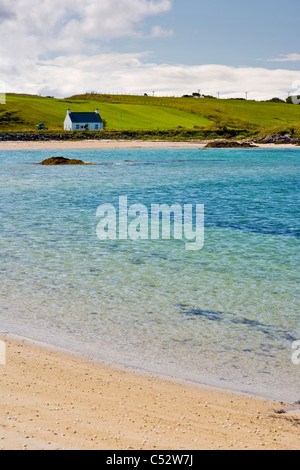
{"points": [[59, 47], [227, 32]]}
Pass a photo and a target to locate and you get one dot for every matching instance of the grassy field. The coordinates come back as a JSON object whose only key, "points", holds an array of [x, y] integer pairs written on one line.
{"points": [[237, 114], [28, 111], [123, 112]]}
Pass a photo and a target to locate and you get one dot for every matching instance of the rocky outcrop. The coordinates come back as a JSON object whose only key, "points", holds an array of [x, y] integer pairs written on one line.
{"points": [[229, 144], [277, 139], [46, 137], [62, 161]]}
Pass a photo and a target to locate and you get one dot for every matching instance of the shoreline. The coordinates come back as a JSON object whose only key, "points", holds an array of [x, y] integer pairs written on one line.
{"points": [[115, 144], [52, 399], [95, 144]]}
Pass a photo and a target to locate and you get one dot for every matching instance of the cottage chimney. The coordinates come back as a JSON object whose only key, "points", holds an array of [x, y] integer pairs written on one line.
{"points": [[69, 111], [97, 111]]}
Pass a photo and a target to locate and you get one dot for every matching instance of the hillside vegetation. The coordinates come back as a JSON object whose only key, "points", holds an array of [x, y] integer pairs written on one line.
{"points": [[193, 117]]}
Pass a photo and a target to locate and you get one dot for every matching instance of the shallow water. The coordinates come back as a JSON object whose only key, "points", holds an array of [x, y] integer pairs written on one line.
{"points": [[226, 315]]}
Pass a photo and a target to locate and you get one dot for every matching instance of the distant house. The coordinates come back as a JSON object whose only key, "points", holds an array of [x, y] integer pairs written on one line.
{"points": [[83, 121]]}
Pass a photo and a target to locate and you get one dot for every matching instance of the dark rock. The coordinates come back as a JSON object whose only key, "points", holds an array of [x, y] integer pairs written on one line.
{"points": [[277, 139], [62, 161], [229, 144]]}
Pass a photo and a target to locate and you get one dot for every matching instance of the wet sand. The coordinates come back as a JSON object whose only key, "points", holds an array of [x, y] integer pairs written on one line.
{"points": [[50, 399]]}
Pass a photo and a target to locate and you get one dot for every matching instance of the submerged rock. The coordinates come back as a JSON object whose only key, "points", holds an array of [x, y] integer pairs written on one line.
{"points": [[62, 161], [229, 144]]}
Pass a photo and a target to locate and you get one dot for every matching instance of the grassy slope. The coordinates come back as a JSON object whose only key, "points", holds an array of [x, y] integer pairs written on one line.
{"points": [[142, 112], [232, 113], [33, 110]]}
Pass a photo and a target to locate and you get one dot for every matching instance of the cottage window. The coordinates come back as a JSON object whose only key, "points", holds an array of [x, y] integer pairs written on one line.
{"points": [[77, 126], [96, 126]]}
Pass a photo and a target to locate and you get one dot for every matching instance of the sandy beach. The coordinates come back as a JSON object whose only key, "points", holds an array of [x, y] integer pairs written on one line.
{"points": [[96, 144], [113, 144], [53, 400]]}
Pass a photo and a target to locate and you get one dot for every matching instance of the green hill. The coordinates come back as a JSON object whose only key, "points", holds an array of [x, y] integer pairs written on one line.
{"points": [[221, 112], [22, 113]]}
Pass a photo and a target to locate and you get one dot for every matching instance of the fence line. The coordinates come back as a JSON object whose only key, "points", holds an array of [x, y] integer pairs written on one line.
{"points": [[150, 94], [239, 95]]}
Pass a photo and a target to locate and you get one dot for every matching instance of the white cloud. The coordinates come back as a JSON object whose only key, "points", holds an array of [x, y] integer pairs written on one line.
{"points": [[37, 28], [121, 73], [5, 11], [55, 47], [287, 58], [159, 32]]}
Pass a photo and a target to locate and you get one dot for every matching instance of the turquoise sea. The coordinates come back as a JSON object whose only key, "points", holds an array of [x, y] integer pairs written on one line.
{"points": [[226, 315]]}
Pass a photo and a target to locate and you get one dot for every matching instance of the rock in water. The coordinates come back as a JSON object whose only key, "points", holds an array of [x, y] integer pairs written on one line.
{"points": [[62, 161], [229, 144]]}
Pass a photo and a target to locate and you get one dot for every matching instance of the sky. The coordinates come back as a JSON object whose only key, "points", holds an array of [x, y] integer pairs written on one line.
{"points": [[161, 47]]}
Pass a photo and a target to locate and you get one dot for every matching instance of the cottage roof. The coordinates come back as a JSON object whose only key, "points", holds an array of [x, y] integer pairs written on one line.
{"points": [[85, 117]]}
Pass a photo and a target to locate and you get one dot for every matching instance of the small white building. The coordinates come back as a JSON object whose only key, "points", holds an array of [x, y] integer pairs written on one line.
{"points": [[83, 121]]}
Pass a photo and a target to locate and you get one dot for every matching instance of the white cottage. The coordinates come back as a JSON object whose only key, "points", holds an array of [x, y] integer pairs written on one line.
{"points": [[83, 121]]}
